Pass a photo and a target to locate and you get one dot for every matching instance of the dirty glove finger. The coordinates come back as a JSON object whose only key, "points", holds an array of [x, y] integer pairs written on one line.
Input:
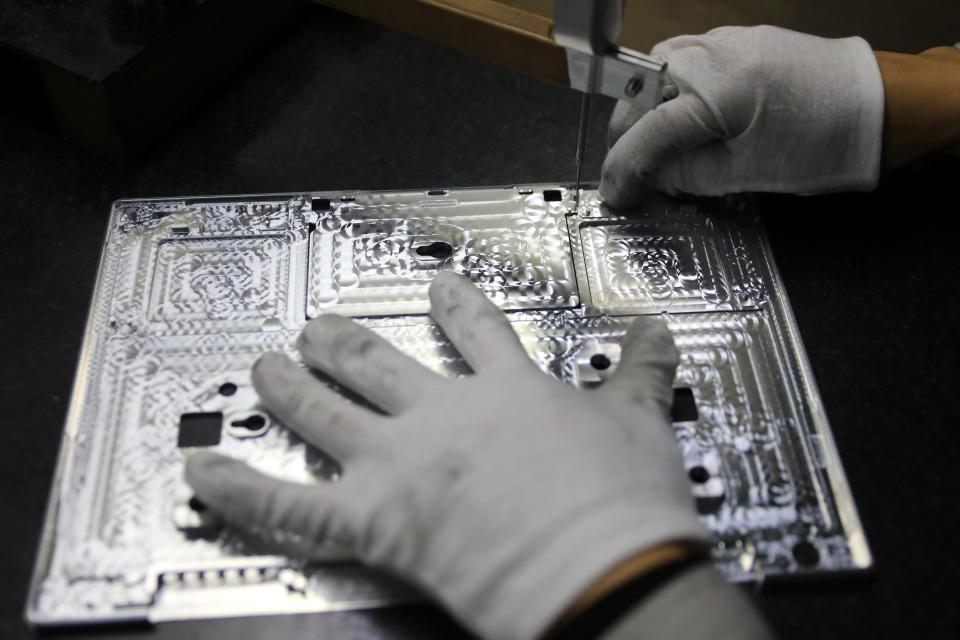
{"points": [[321, 416], [659, 136], [648, 364], [476, 327], [245, 497], [360, 359]]}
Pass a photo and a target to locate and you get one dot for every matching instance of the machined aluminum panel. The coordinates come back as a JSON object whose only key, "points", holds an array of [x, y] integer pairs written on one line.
{"points": [[191, 291]]}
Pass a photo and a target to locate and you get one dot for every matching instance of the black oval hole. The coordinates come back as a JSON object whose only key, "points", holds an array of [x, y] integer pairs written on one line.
{"points": [[806, 554], [436, 250], [253, 423], [437, 192], [698, 474], [228, 389], [600, 362], [195, 504]]}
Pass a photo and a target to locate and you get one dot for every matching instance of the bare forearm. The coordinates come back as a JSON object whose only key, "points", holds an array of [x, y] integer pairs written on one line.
{"points": [[922, 103]]}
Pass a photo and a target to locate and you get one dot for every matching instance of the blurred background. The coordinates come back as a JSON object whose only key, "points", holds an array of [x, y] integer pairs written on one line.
{"points": [[108, 99]]}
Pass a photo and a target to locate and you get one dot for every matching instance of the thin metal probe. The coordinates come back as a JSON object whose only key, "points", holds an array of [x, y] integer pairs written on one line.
{"points": [[582, 127]]}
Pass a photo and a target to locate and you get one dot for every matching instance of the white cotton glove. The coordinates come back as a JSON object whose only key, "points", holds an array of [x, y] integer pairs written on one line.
{"points": [[504, 494], [752, 109]]}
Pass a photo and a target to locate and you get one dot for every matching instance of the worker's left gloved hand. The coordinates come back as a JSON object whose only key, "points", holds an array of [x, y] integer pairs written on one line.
{"points": [[504, 494]]}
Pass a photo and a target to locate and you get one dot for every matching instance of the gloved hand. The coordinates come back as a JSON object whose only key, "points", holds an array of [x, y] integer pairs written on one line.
{"points": [[752, 109], [503, 494]]}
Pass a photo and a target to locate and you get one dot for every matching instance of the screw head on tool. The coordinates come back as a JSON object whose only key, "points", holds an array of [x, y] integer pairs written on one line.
{"points": [[634, 86]]}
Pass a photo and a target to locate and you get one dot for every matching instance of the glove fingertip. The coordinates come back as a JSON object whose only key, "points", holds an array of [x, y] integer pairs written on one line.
{"points": [[203, 464], [655, 337], [613, 190], [269, 366], [447, 278]]}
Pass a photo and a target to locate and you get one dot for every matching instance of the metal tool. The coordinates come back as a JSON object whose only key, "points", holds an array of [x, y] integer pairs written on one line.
{"points": [[587, 29]]}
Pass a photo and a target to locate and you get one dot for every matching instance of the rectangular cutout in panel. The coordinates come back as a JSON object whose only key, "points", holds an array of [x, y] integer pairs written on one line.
{"points": [[199, 429], [684, 407]]}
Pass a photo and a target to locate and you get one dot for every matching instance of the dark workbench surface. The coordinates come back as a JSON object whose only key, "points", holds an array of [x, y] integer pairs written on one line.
{"points": [[93, 38], [343, 104]]}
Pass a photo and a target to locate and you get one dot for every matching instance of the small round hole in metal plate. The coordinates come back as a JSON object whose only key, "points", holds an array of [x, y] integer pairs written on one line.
{"points": [[600, 362], [806, 554], [698, 474]]}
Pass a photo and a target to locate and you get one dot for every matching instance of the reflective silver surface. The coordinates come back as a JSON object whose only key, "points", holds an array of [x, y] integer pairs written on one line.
{"points": [[192, 291]]}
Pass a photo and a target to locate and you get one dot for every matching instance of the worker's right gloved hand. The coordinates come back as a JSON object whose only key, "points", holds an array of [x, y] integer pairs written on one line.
{"points": [[752, 109]]}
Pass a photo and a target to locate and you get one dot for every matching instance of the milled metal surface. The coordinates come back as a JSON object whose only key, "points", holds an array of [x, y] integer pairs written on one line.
{"points": [[192, 291]]}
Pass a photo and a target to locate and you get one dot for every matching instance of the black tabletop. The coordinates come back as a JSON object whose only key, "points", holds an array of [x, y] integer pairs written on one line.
{"points": [[339, 104]]}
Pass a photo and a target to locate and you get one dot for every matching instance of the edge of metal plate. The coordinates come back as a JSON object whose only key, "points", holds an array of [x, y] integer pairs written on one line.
{"points": [[837, 477]]}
